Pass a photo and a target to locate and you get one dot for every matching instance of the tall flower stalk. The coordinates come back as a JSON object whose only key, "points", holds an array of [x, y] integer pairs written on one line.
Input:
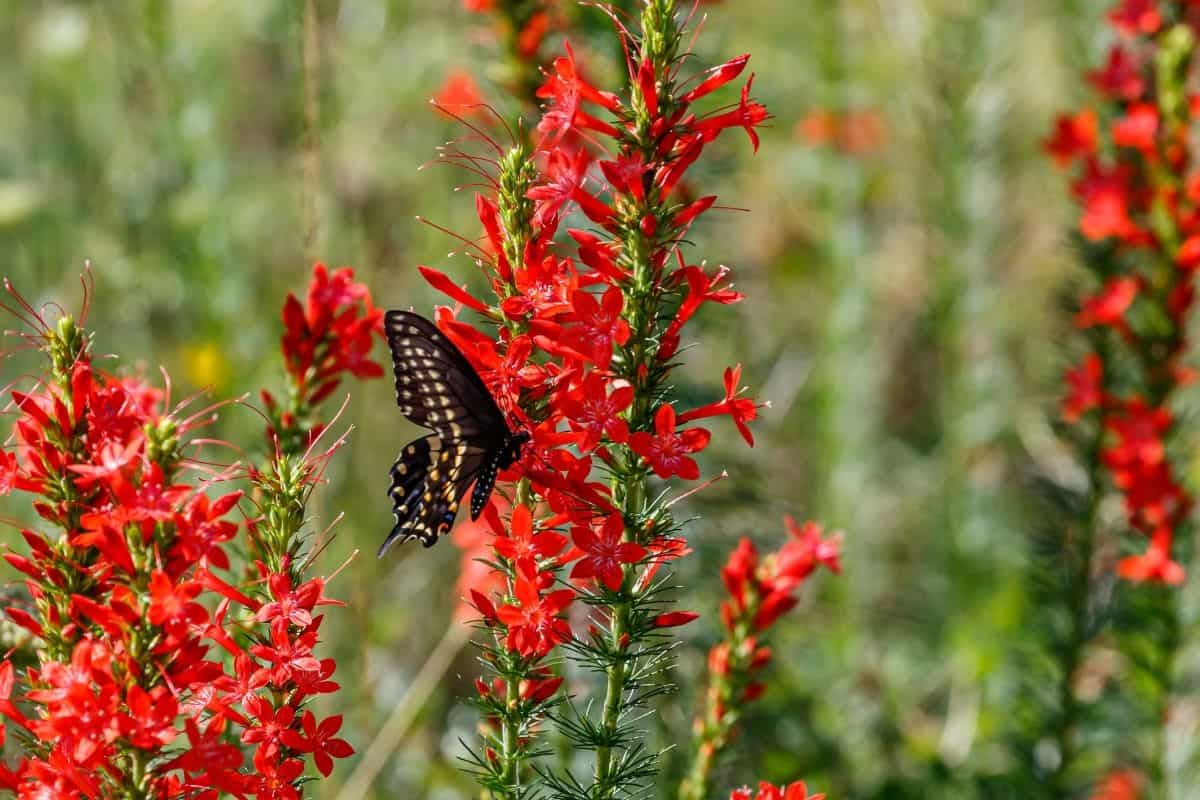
{"points": [[761, 590], [141, 690], [1139, 193], [583, 332]]}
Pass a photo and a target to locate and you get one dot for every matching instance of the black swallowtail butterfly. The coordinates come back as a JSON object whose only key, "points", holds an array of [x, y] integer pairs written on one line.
{"points": [[437, 388]]}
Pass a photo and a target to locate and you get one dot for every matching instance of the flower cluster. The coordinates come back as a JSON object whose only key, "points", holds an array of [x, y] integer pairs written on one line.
{"points": [[155, 675], [580, 339], [522, 27], [1139, 192], [760, 591], [766, 791], [326, 338]]}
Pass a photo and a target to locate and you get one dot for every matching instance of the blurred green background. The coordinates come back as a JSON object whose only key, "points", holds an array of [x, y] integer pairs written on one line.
{"points": [[902, 316]]}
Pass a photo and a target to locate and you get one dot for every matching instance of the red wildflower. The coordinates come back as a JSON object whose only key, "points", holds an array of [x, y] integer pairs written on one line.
{"points": [[1109, 306], [599, 326], [289, 655], [1154, 565], [1137, 16], [534, 624], [564, 174], [666, 450], [740, 409], [1075, 136], [566, 90], [1086, 388], [801, 554], [172, 603], [594, 413], [604, 552], [1121, 77], [293, 605], [269, 723], [151, 721], [319, 740], [523, 546], [1138, 128], [748, 115]]}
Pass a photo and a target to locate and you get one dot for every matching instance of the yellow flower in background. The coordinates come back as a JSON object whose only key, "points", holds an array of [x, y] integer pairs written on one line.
{"points": [[205, 365]]}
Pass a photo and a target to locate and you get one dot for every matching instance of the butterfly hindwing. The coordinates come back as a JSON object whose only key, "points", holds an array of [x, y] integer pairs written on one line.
{"points": [[429, 480]]}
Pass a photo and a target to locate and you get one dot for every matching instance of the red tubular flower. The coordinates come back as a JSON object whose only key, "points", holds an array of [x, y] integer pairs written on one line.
{"points": [[1136, 16], [318, 739], [740, 409], [1085, 388], [748, 115], [1121, 78], [604, 553], [1075, 136], [534, 624], [523, 546], [666, 450], [673, 619], [1109, 306]]}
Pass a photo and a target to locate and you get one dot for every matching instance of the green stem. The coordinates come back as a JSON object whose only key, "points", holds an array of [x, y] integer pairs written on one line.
{"points": [[511, 740], [1080, 635], [1165, 678], [614, 690]]}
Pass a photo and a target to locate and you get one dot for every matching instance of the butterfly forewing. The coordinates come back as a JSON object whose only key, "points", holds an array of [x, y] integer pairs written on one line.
{"points": [[437, 388]]}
